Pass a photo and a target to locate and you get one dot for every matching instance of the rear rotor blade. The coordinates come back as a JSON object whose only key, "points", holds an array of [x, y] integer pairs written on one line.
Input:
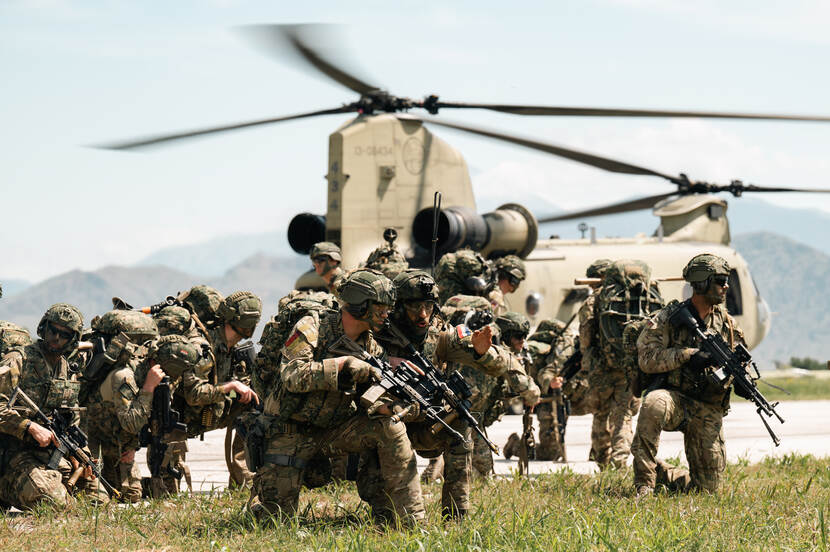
{"points": [[613, 112], [271, 38], [580, 157], [624, 207], [163, 138]]}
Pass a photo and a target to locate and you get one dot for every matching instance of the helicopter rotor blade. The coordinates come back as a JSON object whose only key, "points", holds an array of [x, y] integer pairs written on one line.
{"points": [[737, 188], [614, 208], [585, 158], [159, 139], [614, 112], [270, 38]]}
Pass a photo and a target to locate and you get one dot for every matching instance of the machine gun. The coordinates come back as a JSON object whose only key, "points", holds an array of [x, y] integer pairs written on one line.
{"points": [[71, 440], [730, 364], [163, 420], [243, 357]]}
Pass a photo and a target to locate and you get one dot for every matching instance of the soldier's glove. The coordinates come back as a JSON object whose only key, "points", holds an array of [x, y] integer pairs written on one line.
{"points": [[357, 371], [701, 360], [530, 397], [406, 412]]}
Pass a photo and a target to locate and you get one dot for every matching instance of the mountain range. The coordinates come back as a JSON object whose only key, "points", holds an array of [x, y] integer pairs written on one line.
{"points": [[789, 275]]}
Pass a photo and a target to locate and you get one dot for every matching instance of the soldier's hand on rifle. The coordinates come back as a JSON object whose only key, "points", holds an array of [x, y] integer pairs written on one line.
{"points": [[42, 435], [556, 383], [154, 377], [701, 360], [359, 370], [482, 339], [244, 392], [531, 397]]}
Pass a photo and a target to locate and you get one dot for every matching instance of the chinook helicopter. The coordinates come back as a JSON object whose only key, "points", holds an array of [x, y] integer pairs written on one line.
{"points": [[385, 166]]}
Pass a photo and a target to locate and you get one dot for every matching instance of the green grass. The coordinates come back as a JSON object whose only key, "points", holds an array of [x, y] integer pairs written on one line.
{"points": [[779, 504], [801, 387]]}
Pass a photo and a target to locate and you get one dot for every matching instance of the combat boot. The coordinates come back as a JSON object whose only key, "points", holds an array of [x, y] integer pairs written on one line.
{"points": [[511, 447]]}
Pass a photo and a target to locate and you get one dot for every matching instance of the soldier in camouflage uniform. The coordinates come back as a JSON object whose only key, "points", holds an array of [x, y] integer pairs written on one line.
{"points": [[582, 387], [627, 296], [489, 393], [681, 396], [117, 408], [550, 347], [416, 321], [42, 372], [326, 258], [510, 273], [388, 258], [313, 408], [206, 394], [464, 272]]}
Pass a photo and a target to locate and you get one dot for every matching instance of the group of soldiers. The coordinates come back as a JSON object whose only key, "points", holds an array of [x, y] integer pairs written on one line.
{"points": [[309, 406]]}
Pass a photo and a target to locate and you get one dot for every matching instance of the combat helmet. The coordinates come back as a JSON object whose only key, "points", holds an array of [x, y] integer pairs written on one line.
{"points": [[701, 268], [513, 324], [174, 353], [415, 285], [364, 285], [65, 315], [388, 260], [597, 268], [137, 326], [328, 249], [173, 320], [241, 309], [548, 330], [512, 268]]}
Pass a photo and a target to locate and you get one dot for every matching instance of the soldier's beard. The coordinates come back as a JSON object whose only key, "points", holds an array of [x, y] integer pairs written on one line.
{"points": [[715, 295]]}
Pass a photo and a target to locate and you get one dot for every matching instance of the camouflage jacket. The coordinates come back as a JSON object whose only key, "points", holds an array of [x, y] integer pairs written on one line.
{"points": [[307, 390], [489, 392], [552, 363], [49, 386], [118, 408], [665, 349]]}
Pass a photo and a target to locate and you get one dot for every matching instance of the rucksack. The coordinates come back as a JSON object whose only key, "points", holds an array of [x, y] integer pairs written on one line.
{"points": [[627, 294], [453, 269], [12, 337], [203, 301], [294, 306]]}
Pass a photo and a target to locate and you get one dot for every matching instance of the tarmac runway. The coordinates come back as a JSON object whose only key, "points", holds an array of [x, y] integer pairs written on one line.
{"points": [[806, 431]]}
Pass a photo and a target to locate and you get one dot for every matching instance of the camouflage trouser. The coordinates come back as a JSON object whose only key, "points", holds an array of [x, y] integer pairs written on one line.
{"points": [[124, 476], [239, 475], [26, 481], [548, 447], [457, 465], [702, 427], [611, 432], [276, 486]]}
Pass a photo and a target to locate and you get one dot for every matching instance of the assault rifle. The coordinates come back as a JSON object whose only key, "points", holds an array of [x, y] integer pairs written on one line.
{"points": [[163, 420], [71, 440], [243, 354], [732, 364], [436, 393], [527, 450]]}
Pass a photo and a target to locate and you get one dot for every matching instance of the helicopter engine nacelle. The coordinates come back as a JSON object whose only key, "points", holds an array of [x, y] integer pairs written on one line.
{"points": [[305, 230], [510, 229]]}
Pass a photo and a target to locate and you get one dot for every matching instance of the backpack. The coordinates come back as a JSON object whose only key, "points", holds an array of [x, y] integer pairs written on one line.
{"points": [[294, 306], [454, 268], [12, 337], [203, 301], [627, 294]]}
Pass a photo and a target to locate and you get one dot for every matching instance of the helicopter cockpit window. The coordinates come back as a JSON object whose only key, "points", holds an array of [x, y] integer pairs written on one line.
{"points": [[715, 211], [734, 299]]}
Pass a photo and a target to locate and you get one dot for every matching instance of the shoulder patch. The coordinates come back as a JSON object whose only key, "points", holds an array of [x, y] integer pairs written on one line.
{"points": [[463, 331], [308, 327]]}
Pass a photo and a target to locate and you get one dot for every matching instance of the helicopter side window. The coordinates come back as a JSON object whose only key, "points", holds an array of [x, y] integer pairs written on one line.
{"points": [[734, 299]]}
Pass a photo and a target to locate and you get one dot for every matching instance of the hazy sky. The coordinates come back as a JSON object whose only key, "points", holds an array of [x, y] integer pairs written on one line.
{"points": [[78, 73]]}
